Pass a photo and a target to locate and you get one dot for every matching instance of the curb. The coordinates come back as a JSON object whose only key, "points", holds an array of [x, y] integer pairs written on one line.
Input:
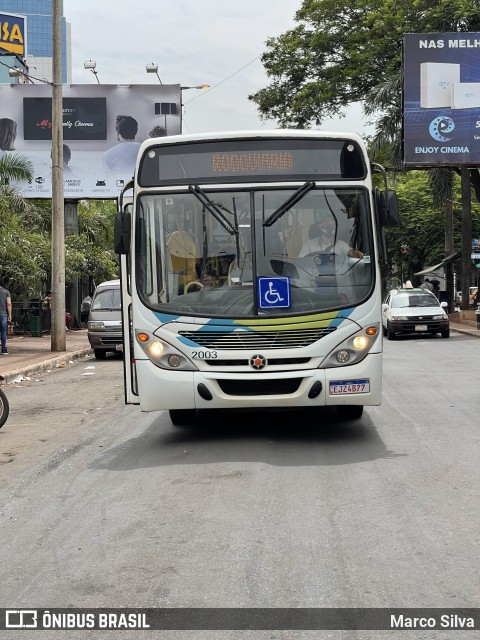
{"points": [[51, 363], [467, 332]]}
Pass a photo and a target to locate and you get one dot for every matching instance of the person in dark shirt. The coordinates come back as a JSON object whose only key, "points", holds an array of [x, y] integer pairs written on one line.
{"points": [[5, 316]]}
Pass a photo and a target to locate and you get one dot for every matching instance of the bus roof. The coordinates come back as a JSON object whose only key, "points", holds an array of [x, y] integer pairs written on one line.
{"points": [[252, 134]]}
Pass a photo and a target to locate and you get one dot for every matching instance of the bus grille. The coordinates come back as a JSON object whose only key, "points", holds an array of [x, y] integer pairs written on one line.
{"points": [[286, 386], [253, 341], [279, 362]]}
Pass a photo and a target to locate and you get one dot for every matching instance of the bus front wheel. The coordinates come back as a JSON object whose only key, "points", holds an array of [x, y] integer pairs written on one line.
{"points": [[183, 417]]}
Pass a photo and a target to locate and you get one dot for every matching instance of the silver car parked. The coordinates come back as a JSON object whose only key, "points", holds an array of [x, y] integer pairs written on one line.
{"points": [[105, 319]]}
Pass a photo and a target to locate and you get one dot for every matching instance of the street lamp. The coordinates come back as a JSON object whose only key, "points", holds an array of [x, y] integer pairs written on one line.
{"points": [[153, 68], [92, 66], [14, 72], [199, 86], [182, 89]]}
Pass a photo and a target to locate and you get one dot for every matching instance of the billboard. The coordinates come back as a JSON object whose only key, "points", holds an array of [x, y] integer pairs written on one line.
{"points": [[13, 32], [103, 127], [83, 118], [441, 99]]}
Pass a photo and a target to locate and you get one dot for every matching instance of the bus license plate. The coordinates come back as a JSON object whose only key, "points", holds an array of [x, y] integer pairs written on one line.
{"points": [[344, 387], [421, 327]]}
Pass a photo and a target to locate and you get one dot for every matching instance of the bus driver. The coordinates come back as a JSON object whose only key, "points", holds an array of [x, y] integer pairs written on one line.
{"points": [[322, 239]]}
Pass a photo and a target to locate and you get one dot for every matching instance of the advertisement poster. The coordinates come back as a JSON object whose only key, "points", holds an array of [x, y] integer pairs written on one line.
{"points": [[441, 94], [103, 127], [13, 33]]}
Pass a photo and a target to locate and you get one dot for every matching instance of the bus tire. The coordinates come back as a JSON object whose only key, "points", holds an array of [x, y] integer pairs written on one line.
{"points": [[350, 411], [183, 417]]}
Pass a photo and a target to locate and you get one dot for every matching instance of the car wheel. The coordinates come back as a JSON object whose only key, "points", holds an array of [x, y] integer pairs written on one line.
{"points": [[183, 417], [446, 334], [350, 411], [390, 333], [100, 354]]}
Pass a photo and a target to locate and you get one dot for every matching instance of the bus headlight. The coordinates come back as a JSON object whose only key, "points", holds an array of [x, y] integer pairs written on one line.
{"points": [[162, 354], [354, 349]]}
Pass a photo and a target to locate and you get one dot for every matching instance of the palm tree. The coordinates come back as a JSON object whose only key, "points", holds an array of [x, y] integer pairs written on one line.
{"points": [[14, 167]]}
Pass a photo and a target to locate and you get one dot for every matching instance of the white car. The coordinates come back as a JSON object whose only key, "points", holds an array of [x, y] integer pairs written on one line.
{"points": [[407, 311]]}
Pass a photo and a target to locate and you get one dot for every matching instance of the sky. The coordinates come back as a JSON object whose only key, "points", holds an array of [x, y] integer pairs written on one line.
{"points": [[215, 42]]}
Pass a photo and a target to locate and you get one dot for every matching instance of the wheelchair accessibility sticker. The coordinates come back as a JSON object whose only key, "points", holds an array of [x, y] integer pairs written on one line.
{"points": [[274, 293]]}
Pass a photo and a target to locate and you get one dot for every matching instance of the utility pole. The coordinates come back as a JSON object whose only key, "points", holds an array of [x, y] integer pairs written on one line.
{"points": [[449, 273], [466, 236], [58, 335]]}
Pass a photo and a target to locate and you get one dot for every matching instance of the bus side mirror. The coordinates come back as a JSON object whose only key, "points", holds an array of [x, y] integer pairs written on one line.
{"points": [[387, 207], [122, 232]]}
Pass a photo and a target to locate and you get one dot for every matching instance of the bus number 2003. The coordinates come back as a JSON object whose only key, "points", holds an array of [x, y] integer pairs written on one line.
{"points": [[204, 355]]}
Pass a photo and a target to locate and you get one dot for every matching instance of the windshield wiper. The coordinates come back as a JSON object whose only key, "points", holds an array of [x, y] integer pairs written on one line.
{"points": [[213, 208], [288, 204]]}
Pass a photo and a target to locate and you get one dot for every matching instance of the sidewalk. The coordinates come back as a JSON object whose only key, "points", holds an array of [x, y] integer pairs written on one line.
{"points": [[465, 328], [28, 355]]}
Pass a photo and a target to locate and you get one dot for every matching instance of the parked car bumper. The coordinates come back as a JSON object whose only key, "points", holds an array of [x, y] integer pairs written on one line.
{"points": [[419, 326], [105, 341]]}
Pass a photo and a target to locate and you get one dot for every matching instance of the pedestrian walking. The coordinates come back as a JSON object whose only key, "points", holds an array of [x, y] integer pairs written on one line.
{"points": [[428, 286], [5, 316], [85, 308]]}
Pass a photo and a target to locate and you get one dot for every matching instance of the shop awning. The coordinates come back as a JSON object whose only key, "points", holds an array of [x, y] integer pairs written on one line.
{"points": [[440, 265]]}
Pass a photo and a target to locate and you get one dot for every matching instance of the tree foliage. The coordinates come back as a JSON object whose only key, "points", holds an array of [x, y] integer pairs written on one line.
{"points": [[420, 239], [94, 243], [25, 237], [21, 247]]}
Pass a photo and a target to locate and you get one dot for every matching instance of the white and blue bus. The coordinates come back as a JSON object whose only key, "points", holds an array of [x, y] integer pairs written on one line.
{"points": [[250, 271]]}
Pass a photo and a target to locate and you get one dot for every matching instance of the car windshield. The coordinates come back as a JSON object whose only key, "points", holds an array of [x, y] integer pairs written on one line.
{"points": [[107, 299], [414, 300]]}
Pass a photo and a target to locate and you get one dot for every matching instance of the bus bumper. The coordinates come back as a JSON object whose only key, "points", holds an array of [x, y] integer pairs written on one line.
{"points": [[359, 384]]}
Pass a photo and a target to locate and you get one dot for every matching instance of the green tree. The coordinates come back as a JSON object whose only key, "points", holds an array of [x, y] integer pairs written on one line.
{"points": [[23, 249], [14, 167], [25, 237], [419, 241], [95, 241]]}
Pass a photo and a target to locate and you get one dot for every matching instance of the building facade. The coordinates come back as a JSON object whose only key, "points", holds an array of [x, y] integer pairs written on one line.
{"points": [[39, 45]]}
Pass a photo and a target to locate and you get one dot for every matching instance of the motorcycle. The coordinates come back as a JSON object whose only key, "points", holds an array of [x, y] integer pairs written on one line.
{"points": [[4, 408]]}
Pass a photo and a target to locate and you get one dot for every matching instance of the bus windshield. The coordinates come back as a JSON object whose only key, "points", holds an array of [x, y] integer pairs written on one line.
{"points": [[214, 252]]}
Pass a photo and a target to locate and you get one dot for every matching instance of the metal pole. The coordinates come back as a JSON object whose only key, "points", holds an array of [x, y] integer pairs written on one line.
{"points": [[466, 236], [449, 277], [58, 335]]}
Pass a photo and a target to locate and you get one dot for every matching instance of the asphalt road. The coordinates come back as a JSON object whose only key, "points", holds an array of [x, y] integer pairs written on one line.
{"points": [[103, 506]]}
